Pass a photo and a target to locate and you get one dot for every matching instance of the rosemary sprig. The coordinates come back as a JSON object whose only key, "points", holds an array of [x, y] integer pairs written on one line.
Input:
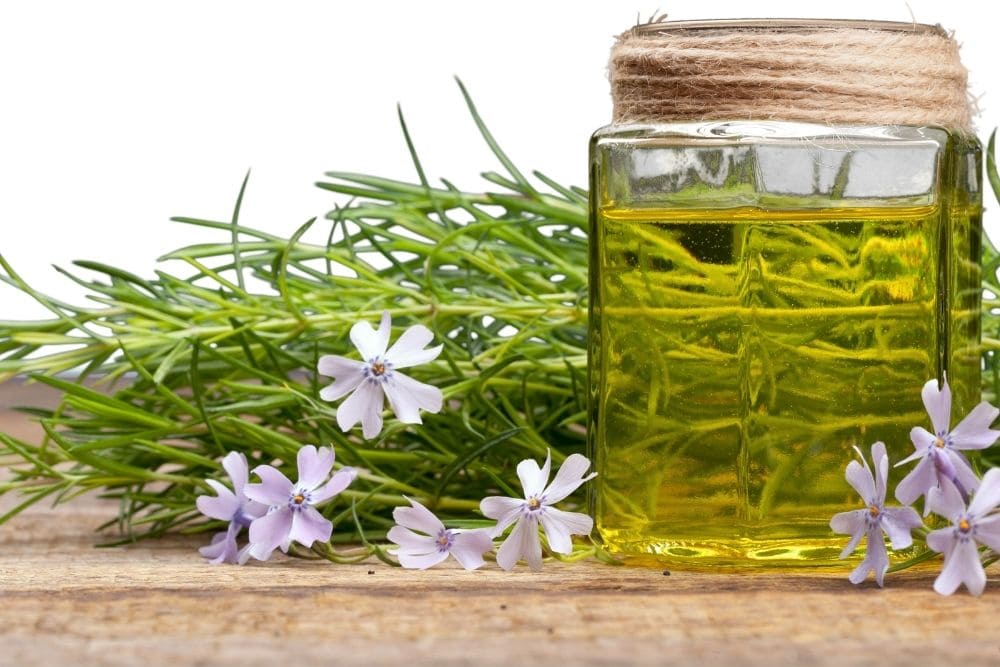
{"points": [[164, 375]]}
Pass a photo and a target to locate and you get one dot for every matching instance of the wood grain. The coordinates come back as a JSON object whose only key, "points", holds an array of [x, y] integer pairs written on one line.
{"points": [[63, 602]]}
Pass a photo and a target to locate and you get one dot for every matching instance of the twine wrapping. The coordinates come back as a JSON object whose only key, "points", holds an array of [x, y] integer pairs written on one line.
{"points": [[830, 72]]}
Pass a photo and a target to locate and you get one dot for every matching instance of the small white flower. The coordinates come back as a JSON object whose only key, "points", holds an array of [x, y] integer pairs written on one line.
{"points": [[971, 526], [292, 515], [423, 551], [875, 518], [940, 453], [536, 508], [378, 375]]}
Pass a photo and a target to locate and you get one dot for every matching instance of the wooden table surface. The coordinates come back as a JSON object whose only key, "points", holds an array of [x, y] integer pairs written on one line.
{"points": [[63, 602]]}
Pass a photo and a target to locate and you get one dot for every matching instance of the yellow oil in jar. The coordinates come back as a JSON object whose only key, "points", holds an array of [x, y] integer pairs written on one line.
{"points": [[738, 355]]}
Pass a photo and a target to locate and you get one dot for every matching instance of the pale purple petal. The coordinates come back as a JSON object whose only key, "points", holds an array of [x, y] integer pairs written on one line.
{"points": [[531, 545], [523, 542], [270, 531], [417, 517], [849, 523], [235, 464], [273, 489], [215, 553], [974, 431], [987, 497], [257, 551], [918, 454], [568, 479], [344, 385], [944, 466], [350, 411], [495, 507], [897, 523], [245, 554], [575, 522], [223, 547], [420, 561], [371, 423], [860, 477], [409, 349], [340, 481], [414, 339], [876, 555], [961, 470], [533, 479], [309, 526], [918, 482], [371, 343], [876, 559], [365, 406], [988, 532], [222, 507], [469, 547], [557, 534], [314, 465], [253, 509], [410, 541], [922, 440], [510, 550], [938, 404], [946, 501], [408, 397], [505, 521], [881, 461], [941, 540], [859, 573], [504, 510], [416, 358], [334, 366], [961, 566], [852, 544]]}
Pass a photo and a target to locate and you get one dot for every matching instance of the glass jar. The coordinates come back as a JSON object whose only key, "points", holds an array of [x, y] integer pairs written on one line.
{"points": [[765, 296]]}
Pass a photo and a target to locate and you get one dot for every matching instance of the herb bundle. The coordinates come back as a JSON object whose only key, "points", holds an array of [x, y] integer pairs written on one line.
{"points": [[161, 377]]}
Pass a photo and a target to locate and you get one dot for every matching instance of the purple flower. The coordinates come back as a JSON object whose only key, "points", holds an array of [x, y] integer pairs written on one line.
{"points": [[378, 376], [423, 551], [875, 518], [958, 542], [939, 452], [292, 514], [232, 506], [536, 508]]}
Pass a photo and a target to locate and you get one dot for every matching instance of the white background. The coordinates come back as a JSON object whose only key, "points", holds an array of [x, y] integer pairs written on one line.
{"points": [[116, 115]]}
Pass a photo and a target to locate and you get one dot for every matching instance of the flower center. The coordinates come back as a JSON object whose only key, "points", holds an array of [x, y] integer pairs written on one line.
{"points": [[299, 499], [964, 525], [873, 510], [377, 370], [534, 504], [938, 442], [444, 540]]}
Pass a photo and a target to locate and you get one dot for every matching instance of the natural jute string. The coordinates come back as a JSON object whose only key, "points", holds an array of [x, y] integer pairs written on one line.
{"points": [[845, 74]]}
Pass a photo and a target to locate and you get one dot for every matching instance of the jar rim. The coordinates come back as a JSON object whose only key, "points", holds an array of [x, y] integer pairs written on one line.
{"points": [[781, 25]]}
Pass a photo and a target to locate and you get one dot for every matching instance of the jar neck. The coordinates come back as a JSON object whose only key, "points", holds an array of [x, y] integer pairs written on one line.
{"points": [[819, 71]]}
